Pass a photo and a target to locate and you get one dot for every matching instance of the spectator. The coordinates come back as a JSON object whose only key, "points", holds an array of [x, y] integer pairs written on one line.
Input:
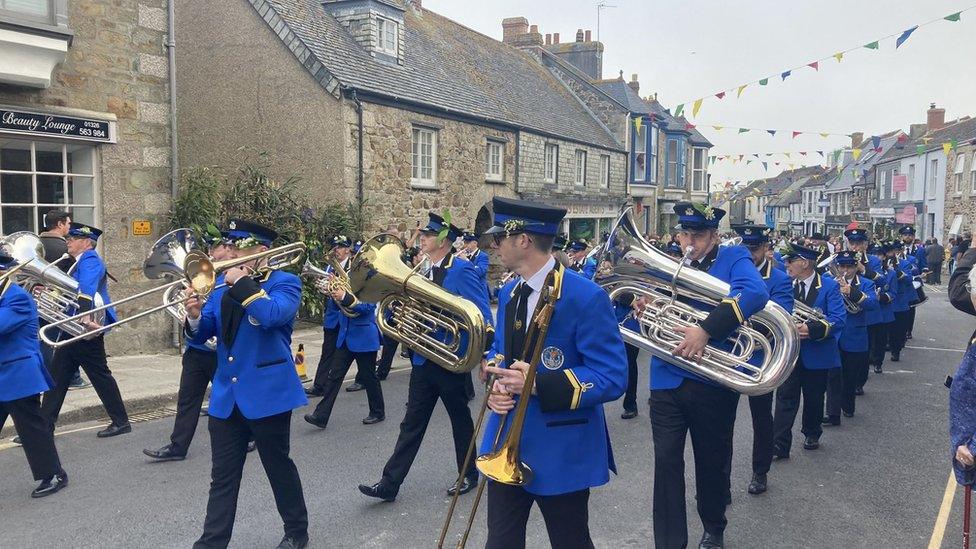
{"points": [[934, 254], [962, 393]]}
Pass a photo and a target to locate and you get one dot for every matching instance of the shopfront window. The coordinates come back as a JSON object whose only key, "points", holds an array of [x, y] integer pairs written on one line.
{"points": [[582, 228], [37, 176]]}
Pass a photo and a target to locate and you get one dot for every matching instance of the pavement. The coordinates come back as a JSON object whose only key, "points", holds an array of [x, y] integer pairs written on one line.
{"points": [[879, 480]]}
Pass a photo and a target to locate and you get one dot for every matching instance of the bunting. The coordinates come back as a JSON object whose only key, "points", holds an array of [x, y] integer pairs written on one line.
{"points": [[856, 153], [637, 124], [904, 36], [696, 107]]}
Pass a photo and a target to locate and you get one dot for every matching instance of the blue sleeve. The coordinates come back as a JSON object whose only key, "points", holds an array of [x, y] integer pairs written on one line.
{"points": [[362, 308], [277, 307], [834, 311], [89, 272], [208, 322], [747, 296], [922, 261], [869, 299], [481, 264], [781, 293], [589, 269], [18, 311], [470, 287]]}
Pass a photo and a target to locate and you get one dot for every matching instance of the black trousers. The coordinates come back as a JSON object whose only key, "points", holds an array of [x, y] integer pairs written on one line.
{"points": [[198, 369], [898, 330], [936, 276], [329, 338], [35, 435], [911, 320], [341, 361], [878, 342], [812, 384], [761, 408], [841, 382], [387, 355], [566, 515], [630, 397], [428, 383], [229, 438], [90, 355], [708, 413]]}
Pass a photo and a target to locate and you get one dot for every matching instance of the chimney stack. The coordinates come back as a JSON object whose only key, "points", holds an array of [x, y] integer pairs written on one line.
{"points": [[634, 84], [548, 39], [587, 37], [916, 130], [534, 29], [579, 35], [555, 38], [856, 139], [417, 4], [936, 118], [513, 27]]}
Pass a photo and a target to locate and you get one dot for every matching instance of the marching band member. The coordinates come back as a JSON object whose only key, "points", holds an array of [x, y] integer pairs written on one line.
{"points": [[428, 381], [472, 253], [755, 238], [255, 387], [904, 271], [341, 248], [860, 291], [682, 401], [23, 378], [390, 345], [582, 366], [818, 352], [915, 253], [559, 246], [673, 249], [885, 283], [868, 266], [90, 273], [818, 242], [586, 266]]}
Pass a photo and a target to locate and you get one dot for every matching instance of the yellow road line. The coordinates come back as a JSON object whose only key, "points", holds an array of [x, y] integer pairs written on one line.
{"points": [[935, 542]]}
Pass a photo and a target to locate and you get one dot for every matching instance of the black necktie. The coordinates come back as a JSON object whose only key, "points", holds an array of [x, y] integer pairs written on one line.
{"points": [[801, 293], [522, 294]]}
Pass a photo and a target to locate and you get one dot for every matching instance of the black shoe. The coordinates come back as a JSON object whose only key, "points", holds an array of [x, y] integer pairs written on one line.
{"points": [[848, 414], [780, 453], [628, 414], [251, 446], [314, 391], [811, 443], [205, 411], [908, 336], [379, 491], [859, 391], [166, 453], [292, 542], [16, 440], [758, 484], [373, 418], [355, 387], [895, 357], [316, 421], [50, 485], [878, 370], [466, 486], [711, 541], [405, 354], [114, 430], [830, 420]]}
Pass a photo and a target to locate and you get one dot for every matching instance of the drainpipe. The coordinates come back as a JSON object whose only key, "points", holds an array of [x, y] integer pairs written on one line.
{"points": [[174, 176], [359, 126]]}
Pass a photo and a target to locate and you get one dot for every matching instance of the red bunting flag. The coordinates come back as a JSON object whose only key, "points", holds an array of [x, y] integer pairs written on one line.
{"points": [[720, 95], [815, 65], [796, 134], [689, 126], [802, 153]]}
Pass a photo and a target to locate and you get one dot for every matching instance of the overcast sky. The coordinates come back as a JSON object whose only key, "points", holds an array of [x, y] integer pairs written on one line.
{"points": [[686, 49]]}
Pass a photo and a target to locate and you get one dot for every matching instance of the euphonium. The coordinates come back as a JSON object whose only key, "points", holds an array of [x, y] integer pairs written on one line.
{"points": [[420, 312], [644, 271], [337, 279]]}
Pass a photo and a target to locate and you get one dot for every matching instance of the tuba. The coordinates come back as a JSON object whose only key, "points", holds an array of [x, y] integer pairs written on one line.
{"points": [[414, 310], [165, 260], [642, 270]]}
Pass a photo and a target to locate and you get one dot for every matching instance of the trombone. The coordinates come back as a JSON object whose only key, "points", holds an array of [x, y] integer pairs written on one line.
{"points": [[199, 274]]}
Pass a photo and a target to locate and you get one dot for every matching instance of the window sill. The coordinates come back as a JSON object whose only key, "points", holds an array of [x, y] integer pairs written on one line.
{"points": [[28, 56], [423, 186], [495, 181]]}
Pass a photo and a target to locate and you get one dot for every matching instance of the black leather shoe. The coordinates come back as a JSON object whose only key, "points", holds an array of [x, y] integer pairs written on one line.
{"points": [[811, 443], [16, 440], [166, 453], [293, 542], [379, 491], [780, 453], [711, 541], [830, 420], [251, 446], [355, 387], [314, 391], [371, 419], [848, 414], [466, 486], [758, 484], [628, 414], [895, 357], [50, 485], [316, 421], [908, 335], [114, 430], [878, 370], [859, 391]]}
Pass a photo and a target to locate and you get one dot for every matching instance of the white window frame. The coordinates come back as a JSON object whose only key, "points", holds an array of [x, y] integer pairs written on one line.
{"points": [[551, 163], [673, 160], [383, 33], [417, 176], [652, 155], [48, 18], [698, 168], [957, 173], [911, 180], [972, 174], [580, 166], [933, 179], [605, 171], [494, 160]]}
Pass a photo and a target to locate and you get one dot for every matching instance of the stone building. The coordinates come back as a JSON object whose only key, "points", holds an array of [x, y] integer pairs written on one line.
{"points": [[85, 125], [388, 105], [960, 185]]}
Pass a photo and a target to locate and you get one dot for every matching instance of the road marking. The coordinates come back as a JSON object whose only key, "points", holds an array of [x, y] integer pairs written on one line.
{"points": [[936, 349], [935, 542]]}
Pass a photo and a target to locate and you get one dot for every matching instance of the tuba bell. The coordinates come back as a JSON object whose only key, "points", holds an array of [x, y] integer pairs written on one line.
{"points": [[644, 271], [414, 310], [165, 260]]}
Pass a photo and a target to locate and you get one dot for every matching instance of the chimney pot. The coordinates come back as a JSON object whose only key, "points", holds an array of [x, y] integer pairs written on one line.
{"points": [[548, 39], [587, 37], [633, 77], [579, 35], [936, 118], [634, 84], [534, 29], [555, 38], [856, 139]]}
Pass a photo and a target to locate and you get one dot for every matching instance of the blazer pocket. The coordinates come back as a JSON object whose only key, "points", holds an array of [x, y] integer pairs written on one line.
{"points": [[271, 363], [567, 422]]}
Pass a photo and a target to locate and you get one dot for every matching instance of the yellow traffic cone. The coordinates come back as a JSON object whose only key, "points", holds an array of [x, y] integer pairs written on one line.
{"points": [[300, 363]]}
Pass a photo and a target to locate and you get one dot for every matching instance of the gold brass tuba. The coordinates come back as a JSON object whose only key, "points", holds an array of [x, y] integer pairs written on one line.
{"points": [[644, 271], [419, 310]]}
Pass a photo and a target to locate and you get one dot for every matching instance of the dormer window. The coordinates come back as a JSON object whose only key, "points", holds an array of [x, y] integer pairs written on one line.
{"points": [[387, 34]]}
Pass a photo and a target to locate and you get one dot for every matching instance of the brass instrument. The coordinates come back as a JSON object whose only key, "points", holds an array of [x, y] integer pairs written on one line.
{"points": [[337, 279], [420, 311], [8, 274], [643, 270], [199, 274], [849, 304], [165, 260]]}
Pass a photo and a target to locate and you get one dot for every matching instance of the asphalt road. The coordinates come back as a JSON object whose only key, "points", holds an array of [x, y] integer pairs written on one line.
{"points": [[879, 480]]}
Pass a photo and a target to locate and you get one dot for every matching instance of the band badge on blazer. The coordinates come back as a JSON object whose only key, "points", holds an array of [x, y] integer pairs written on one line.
{"points": [[553, 358], [253, 321]]}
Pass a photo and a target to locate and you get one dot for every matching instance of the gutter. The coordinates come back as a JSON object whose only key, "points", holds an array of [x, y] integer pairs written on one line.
{"points": [[174, 163], [359, 128]]}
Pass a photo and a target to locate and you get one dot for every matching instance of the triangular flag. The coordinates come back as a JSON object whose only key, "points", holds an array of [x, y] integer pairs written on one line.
{"points": [[856, 153], [904, 36], [717, 128], [637, 124], [740, 157], [876, 141], [748, 162], [796, 133], [696, 107], [765, 166], [838, 56], [821, 154], [756, 155], [689, 126], [776, 163], [926, 140], [743, 130], [769, 154], [803, 153], [785, 74], [720, 95], [678, 109], [953, 17], [919, 149], [764, 81], [815, 65], [872, 46], [739, 91], [946, 147], [772, 132], [824, 135]]}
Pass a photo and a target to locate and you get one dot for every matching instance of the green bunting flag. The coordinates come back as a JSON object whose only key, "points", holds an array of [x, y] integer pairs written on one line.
{"points": [[764, 81], [919, 149], [953, 17], [872, 46], [678, 110], [743, 130]]}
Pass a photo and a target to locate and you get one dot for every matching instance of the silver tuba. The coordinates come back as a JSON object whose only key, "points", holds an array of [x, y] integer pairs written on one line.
{"points": [[640, 269], [165, 260]]}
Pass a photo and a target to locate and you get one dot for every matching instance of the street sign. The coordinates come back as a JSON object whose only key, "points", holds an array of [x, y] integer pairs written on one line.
{"points": [[141, 227]]}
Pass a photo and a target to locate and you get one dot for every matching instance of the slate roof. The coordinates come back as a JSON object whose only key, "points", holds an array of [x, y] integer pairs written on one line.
{"points": [[962, 130], [446, 67], [618, 89]]}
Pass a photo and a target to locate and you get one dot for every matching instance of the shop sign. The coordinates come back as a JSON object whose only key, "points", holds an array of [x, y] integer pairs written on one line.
{"points": [[881, 212], [50, 125], [906, 215]]}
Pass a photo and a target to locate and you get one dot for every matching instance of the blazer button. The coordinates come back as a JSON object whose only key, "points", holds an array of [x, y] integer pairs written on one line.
{"points": [[230, 359], [233, 380]]}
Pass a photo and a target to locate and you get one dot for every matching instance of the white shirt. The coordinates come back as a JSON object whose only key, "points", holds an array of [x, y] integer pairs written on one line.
{"points": [[536, 282], [808, 282]]}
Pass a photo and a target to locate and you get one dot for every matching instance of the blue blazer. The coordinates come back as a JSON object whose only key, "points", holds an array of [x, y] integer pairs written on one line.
{"points": [[920, 259], [255, 366], [887, 293], [92, 279], [22, 371], [780, 262], [779, 285], [459, 277], [480, 262], [583, 365], [854, 338], [588, 268], [820, 351], [906, 291], [875, 316], [359, 334], [747, 296]]}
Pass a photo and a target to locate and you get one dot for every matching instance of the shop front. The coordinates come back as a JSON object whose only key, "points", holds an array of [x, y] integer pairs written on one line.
{"points": [[588, 220]]}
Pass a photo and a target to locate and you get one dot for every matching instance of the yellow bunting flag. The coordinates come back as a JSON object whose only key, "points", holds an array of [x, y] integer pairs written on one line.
{"points": [[637, 124], [824, 135], [856, 153], [696, 107], [717, 128], [838, 56], [739, 91], [946, 147]]}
